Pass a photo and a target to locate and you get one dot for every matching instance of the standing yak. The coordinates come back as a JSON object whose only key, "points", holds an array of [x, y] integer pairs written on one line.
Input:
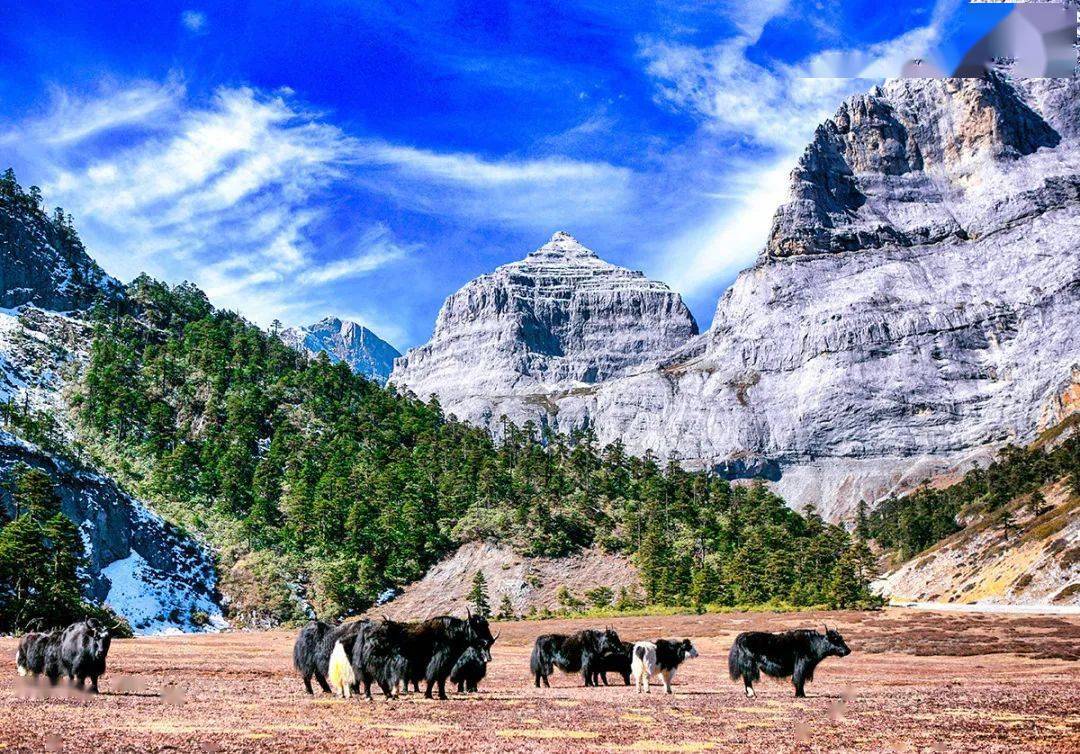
{"points": [[617, 662], [792, 653], [83, 648], [581, 651]]}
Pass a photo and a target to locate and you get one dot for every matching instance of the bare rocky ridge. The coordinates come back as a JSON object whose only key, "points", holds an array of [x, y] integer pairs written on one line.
{"points": [[364, 351], [561, 318], [916, 306]]}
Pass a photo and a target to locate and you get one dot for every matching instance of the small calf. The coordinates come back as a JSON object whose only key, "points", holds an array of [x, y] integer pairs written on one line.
{"points": [[659, 658]]}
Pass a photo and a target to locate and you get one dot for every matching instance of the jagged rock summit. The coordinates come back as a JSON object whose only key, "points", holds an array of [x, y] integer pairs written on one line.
{"points": [[560, 318], [917, 305], [341, 340]]}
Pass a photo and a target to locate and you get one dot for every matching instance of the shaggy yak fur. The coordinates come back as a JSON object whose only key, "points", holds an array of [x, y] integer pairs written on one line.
{"points": [[577, 652], [617, 662], [792, 653]]}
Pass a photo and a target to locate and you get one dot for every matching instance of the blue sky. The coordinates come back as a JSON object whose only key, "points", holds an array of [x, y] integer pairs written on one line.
{"points": [[365, 159]]}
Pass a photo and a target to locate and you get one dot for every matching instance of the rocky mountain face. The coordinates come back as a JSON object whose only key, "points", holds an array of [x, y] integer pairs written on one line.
{"points": [[364, 351], [559, 319], [42, 260], [917, 305], [143, 568]]}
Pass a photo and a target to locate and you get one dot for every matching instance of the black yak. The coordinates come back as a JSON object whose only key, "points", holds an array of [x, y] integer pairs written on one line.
{"points": [[617, 662], [470, 669], [306, 654], [660, 658], [39, 655], [792, 653], [83, 649], [577, 652]]}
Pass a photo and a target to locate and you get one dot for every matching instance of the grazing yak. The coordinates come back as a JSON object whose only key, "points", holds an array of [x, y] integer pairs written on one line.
{"points": [[470, 669], [391, 653], [660, 658], [792, 653], [577, 652], [617, 662]]}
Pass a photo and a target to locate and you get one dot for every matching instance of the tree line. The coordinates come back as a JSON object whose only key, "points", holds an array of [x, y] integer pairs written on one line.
{"points": [[308, 478]]}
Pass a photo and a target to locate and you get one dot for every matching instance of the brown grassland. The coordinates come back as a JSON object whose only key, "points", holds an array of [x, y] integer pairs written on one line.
{"points": [[916, 681]]}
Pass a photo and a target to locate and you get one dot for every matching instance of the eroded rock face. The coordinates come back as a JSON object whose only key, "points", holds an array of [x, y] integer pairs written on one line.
{"points": [[916, 306], [364, 351], [560, 318]]}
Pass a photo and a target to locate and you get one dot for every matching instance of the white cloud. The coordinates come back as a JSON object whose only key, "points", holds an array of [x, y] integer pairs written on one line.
{"points": [[537, 193], [194, 21]]}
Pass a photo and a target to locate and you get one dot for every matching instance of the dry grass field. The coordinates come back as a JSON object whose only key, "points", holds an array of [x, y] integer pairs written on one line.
{"points": [[916, 681]]}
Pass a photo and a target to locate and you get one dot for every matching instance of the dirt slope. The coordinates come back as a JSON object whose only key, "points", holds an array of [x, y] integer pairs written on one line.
{"points": [[915, 682], [529, 582], [1037, 563]]}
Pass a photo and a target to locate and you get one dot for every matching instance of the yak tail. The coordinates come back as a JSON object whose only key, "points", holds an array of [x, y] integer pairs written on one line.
{"points": [[741, 662]]}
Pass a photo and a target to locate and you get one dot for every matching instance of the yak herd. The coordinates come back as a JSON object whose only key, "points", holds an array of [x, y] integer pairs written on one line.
{"points": [[397, 655]]}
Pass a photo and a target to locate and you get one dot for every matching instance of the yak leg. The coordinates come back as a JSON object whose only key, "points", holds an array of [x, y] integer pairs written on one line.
{"points": [[749, 688], [93, 684], [625, 679], [322, 683], [307, 684], [461, 687], [430, 685], [799, 679], [665, 676], [442, 688]]}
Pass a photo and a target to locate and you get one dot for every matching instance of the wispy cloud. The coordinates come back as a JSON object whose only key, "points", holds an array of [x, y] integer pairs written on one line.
{"points": [[531, 193], [194, 21]]}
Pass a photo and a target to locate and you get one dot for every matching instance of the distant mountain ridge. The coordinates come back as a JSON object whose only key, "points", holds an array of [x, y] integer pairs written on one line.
{"points": [[916, 306], [341, 340]]}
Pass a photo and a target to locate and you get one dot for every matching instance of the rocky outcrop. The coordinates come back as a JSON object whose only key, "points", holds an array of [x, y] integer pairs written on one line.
{"points": [[562, 318], [145, 569], [917, 305], [364, 351], [42, 260]]}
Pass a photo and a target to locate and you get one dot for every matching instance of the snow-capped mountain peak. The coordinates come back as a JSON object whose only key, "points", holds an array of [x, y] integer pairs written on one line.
{"points": [[341, 340]]}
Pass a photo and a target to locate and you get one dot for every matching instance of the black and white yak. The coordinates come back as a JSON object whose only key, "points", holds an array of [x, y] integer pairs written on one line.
{"points": [[792, 653], [659, 659], [579, 652]]}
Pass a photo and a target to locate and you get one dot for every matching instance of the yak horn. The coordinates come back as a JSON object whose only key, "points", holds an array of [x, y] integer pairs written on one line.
{"points": [[496, 637], [826, 627], [468, 613]]}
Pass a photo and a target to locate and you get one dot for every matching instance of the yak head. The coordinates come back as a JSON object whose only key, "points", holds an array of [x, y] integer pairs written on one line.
{"points": [[480, 631], [836, 645], [687, 649], [608, 641]]}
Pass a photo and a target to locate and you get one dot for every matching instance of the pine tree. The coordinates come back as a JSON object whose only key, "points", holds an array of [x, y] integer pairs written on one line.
{"points": [[1037, 504], [846, 588], [506, 609], [478, 595]]}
